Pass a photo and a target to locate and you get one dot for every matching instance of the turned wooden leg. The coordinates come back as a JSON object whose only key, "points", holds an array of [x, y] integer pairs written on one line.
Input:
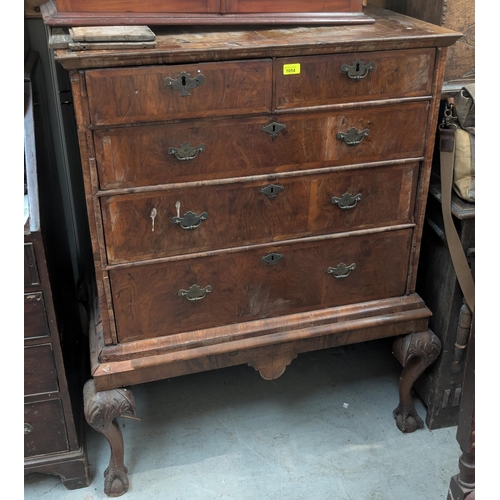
{"points": [[415, 352], [101, 410]]}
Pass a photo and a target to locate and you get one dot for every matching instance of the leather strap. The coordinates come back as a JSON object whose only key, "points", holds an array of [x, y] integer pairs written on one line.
{"points": [[458, 258]]}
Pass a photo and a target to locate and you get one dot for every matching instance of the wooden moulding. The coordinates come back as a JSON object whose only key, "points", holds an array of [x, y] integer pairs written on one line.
{"points": [[202, 12], [268, 345]]}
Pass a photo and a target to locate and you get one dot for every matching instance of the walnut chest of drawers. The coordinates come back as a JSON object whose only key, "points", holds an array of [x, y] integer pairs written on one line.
{"points": [[254, 194]]}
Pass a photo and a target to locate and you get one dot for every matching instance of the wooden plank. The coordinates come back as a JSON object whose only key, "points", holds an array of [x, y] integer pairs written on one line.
{"points": [[110, 45], [112, 34]]}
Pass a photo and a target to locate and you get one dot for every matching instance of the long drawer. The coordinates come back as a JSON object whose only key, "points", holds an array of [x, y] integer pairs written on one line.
{"points": [[152, 93], [202, 149], [195, 219], [160, 299], [339, 78]]}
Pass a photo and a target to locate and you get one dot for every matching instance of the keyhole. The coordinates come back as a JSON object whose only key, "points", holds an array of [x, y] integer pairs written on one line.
{"points": [[272, 258], [357, 67], [183, 81], [272, 190]]}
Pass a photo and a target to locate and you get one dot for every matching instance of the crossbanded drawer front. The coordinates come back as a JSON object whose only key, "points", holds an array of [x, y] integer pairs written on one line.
{"points": [[180, 296], [196, 219], [35, 316], [40, 374], [153, 93], [350, 77], [197, 150], [44, 428]]}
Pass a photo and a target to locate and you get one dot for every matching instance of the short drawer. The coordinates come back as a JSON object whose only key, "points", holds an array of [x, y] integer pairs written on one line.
{"points": [[179, 296], [40, 374], [31, 276], [195, 219], [197, 150], [44, 428], [35, 316], [154, 93], [339, 78]]}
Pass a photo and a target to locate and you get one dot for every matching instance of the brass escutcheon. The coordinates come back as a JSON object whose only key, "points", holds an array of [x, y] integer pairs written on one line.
{"points": [[184, 82], [273, 258], [272, 190], [273, 129], [357, 70]]}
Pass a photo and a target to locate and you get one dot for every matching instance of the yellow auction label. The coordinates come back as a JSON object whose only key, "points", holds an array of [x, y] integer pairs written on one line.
{"points": [[291, 69]]}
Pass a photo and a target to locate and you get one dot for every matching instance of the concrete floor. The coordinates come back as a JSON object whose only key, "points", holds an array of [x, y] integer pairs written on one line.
{"points": [[324, 430]]}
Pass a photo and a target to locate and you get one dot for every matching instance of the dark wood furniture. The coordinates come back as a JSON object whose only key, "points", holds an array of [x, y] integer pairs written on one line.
{"points": [[463, 485], [254, 194], [185, 12], [456, 15], [53, 437], [440, 387]]}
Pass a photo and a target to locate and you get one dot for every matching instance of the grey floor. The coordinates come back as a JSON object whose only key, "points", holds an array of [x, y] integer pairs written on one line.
{"points": [[322, 431]]}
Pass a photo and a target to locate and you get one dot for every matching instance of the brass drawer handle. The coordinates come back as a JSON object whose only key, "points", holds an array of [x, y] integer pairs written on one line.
{"points": [[341, 271], [353, 136], [347, 200], [184, 82], [273, 258], [272, 190], [186, 152], [190, 220], [195, 292], [273, 129], [28, 429], [357, 70]]}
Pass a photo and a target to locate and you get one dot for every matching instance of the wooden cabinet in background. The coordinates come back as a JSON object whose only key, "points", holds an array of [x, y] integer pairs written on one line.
{"points": [[53, 430]]}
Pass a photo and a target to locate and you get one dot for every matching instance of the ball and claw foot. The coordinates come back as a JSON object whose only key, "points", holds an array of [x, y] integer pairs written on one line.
{"points": [[116, 481], [407, 419], [101, 412], [415, 352]]}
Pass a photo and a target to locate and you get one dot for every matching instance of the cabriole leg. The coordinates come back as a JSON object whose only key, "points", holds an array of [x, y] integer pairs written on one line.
{"points": [[101, 410], [415, 352]]}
